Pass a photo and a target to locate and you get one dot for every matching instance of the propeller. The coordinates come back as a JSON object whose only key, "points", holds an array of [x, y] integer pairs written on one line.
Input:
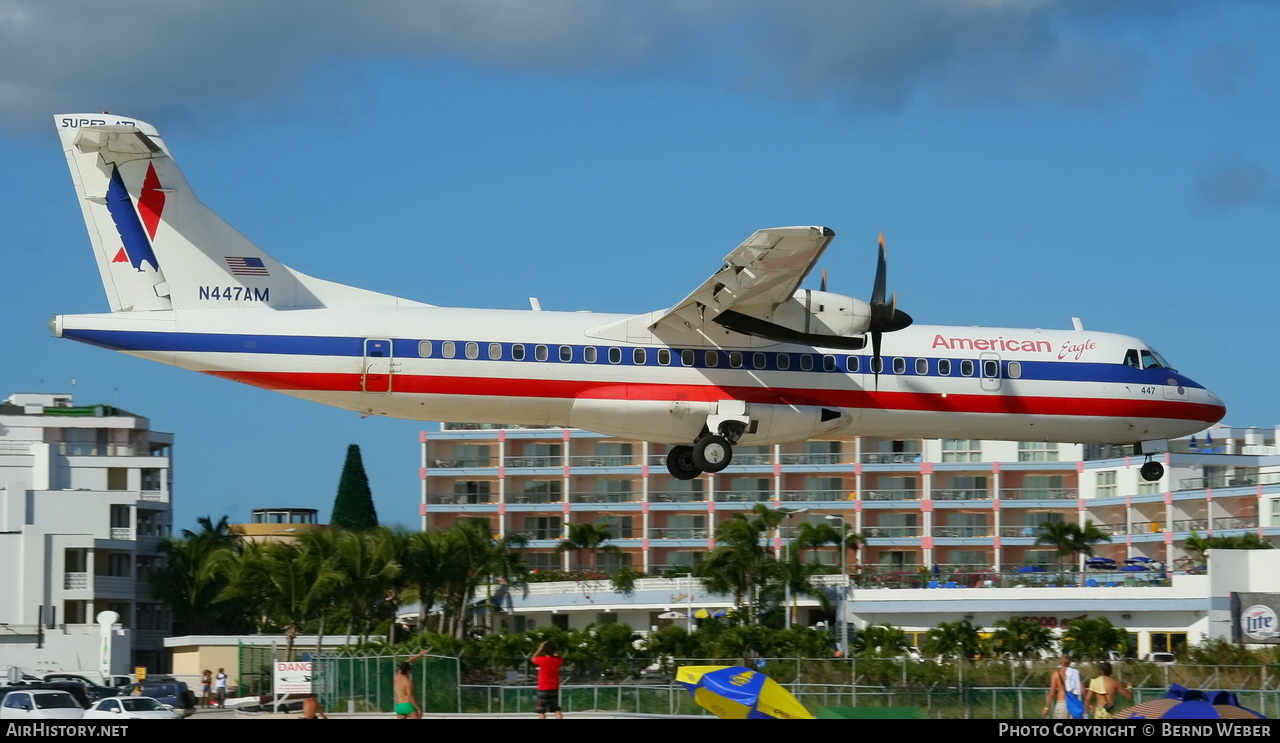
{"points": [[885, 318]]}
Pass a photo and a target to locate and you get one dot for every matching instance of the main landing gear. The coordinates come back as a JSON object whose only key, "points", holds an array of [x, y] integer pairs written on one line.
{"points": [[712, 452]]}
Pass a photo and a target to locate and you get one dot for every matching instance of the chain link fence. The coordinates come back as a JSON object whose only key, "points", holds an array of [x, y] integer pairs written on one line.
{"points": [[983, 690]]}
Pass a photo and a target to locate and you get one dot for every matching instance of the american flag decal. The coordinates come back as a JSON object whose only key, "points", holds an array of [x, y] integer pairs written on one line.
{"points": [[247, 266]]}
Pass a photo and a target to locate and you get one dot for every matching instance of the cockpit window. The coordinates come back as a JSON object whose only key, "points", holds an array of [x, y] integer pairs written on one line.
{"points": [[1131, 358], [1153, 360]]}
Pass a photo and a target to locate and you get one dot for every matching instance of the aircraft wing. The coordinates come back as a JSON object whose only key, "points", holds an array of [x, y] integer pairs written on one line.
{"points": [[760, 274]]}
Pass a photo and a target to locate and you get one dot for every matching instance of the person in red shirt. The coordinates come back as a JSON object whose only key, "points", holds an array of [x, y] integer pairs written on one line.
{"points": [[548, 662]]}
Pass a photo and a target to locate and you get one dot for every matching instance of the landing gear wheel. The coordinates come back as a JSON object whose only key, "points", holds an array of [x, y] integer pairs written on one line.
{"points": [[1152, 471], [712, 453], [680, 463]]}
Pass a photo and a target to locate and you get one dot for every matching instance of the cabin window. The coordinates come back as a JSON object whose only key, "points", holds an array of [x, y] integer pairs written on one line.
{"points": [[829, 363], [566, 354], [687, 357], [852, 364], [517, 351], [990, 369], [877, 365], [540, 353], [664, 357], [735, 359], [944, 367], [784, 361], [759, 360], [447, 349], [1015, 370], [806, 362], [966, 368], [712, 358], [615, 355], [472, 350], [899, 365], [589, 354], [424, 349], [637, 356], [495, 351], [922, 366]]}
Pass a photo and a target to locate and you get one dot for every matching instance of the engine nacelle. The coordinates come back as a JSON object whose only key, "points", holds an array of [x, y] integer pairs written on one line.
{"points": [[813, 317]]}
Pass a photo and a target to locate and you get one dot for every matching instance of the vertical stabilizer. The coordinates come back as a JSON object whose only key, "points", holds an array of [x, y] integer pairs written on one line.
{"points": [[158, 247]]}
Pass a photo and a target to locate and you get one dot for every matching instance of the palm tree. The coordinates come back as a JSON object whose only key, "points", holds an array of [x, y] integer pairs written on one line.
{"points": [[286, 583], [370, 562], [953, 640], [1070, 539], [1020, 638], [194, 576], [737, 564], [1094, 638], [1202, 544], [880, 640], [588, 536]]}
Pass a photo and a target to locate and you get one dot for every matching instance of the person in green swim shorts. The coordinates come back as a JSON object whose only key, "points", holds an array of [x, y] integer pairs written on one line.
{"points": [[406, 707]]}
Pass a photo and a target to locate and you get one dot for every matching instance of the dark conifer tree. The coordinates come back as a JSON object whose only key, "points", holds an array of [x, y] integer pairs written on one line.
{"points": [[353, 507]]}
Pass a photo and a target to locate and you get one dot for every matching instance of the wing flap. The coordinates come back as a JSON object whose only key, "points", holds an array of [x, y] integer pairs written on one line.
{"points": [[757, 276]]}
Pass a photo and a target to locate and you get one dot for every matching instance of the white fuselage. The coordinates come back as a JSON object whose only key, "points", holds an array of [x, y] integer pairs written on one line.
{"points": [[613, 374]]}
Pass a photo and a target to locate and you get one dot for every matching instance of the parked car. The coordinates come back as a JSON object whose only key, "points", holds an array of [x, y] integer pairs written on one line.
{"points": [[130, 708], [39, 704], [93, 691], [1164, 659], [75, 690], [173, 694]]}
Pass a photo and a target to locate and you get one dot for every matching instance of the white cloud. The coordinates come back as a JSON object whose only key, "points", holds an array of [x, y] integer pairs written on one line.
{"points": [[159, 55]]}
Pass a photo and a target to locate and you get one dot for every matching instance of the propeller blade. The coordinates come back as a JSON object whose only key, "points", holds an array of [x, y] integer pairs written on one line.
{"points": [[823, 285], [877, 289]]}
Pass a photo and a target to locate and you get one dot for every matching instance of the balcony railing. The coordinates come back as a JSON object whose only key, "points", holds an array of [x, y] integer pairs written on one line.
{"points": [[612, 460], [472, 463], [462, 499], [1039, 493], [815, 495], [122, 533], [966, 532], [680, 532], [1235, 522], [907, 457], [1191, 525], [98, 450], [961, 494], [153, 496], [745, 496], [535, 498], [812, 458], [891, 532], [594, 497], [890, 495], [536, 535], [75, 582], [555, 461], [1146, 527], [660, 496]]}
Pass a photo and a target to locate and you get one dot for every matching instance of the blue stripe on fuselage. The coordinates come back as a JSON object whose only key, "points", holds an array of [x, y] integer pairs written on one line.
{"points": [[296, 345]]}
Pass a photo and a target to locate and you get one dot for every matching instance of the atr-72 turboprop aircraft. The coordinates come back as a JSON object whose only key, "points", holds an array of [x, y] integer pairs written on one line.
{"points": [[747, 357]]}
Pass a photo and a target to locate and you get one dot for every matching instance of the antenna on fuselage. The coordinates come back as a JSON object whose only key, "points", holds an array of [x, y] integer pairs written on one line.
{"points": [[1076, 324], [534, 304]]}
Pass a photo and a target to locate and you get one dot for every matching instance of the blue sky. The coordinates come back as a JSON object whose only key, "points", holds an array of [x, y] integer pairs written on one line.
{"points": [[1028, 160]]}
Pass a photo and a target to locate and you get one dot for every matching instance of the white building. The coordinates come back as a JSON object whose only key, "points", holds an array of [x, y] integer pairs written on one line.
{"points": [[84, 505]]}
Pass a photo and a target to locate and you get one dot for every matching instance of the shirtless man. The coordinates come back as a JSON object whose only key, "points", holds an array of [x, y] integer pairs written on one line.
{"points": [[1101, 697], [311, 709], [1064, 682], [406, 707]]}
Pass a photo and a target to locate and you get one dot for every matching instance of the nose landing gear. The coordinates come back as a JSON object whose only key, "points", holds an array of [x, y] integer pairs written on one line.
{"points": [[1152, 471]]}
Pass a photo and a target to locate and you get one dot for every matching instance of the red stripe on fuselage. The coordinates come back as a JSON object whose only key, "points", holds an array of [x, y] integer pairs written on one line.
{"points": [[861, 399]]}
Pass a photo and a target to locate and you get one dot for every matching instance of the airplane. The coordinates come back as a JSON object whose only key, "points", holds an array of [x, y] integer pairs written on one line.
{"points": [[747, 358]]}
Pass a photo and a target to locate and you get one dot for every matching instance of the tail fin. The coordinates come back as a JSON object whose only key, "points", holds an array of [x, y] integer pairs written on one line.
{"points": [[158, 247]]}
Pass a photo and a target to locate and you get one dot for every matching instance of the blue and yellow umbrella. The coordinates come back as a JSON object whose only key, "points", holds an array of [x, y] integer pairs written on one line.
{"points": [[739, 693]]}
